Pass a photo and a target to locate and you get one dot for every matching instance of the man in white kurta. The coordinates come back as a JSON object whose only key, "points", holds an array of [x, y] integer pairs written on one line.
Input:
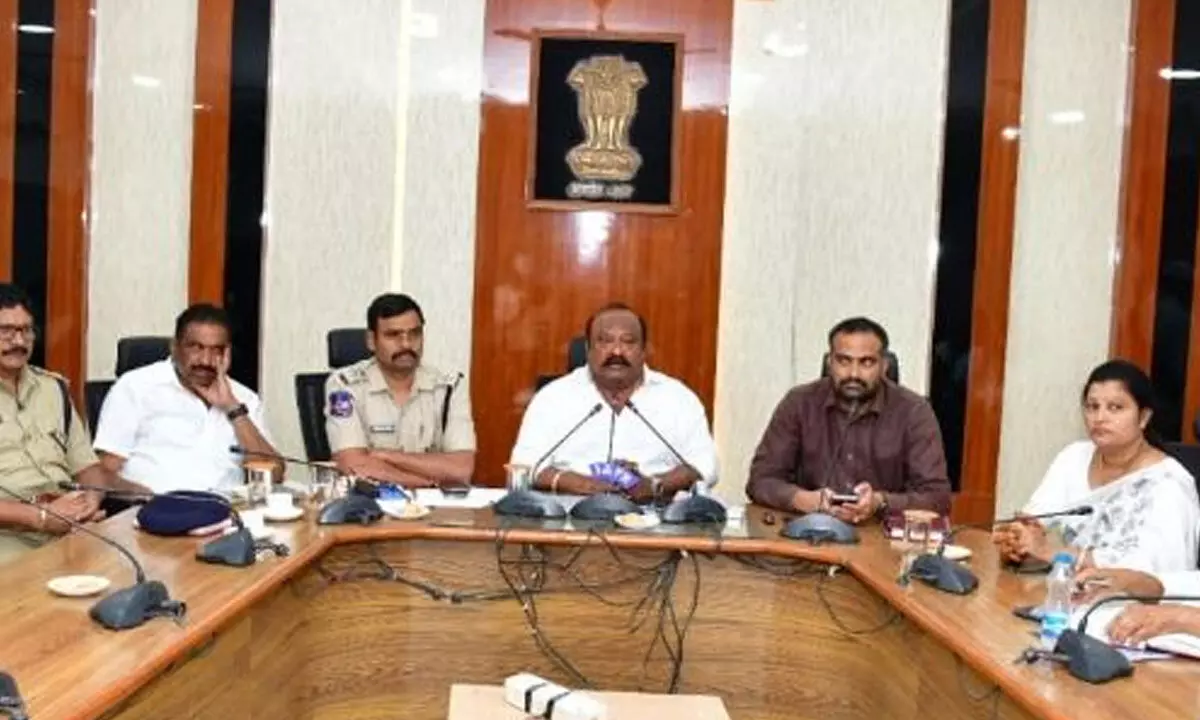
{"points": [[618, 403]]}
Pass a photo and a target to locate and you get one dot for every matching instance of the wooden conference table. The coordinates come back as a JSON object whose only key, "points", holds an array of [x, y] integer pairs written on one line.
{"points": [[380, 621]]}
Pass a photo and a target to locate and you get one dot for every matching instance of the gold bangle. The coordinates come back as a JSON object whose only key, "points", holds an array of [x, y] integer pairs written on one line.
{"points": [[554, 481], [41, 518]]}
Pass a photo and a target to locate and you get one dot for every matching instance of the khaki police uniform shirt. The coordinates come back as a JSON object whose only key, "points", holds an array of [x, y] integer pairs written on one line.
{"points": [[36, 451], [360, 412]]}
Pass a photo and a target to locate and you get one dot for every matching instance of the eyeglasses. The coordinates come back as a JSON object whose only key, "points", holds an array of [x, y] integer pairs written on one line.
{"points": [[8, 333]]}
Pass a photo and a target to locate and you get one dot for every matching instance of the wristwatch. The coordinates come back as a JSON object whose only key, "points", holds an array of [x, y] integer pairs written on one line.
{"points": [[883, 503], [239, 411]]}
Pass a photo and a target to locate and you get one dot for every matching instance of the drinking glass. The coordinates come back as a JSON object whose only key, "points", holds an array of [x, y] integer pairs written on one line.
{"points": [[519, 477]]}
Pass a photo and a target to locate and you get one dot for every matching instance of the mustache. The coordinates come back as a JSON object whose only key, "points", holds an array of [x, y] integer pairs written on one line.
{"points": [[203, 369], [17, 351], [845, 383], [616, 360], [402, 353]]}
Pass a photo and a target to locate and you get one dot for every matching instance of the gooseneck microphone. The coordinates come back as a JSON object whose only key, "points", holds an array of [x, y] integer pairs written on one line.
{"points": [[237, 549], [1082, 510], [951, 577], [11, 704], [359, 507], [529, 504], [553, 448], [693, 509], [128, 607]]}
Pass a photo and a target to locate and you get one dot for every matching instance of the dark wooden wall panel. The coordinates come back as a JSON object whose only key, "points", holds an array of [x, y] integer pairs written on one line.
{"points": [[210, 150], [70, 152], [8, 131], [997, 209], [1136, 274], [539, 274]]}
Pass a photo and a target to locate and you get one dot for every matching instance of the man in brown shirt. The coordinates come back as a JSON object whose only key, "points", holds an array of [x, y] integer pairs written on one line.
{"points": [[853, 432]]}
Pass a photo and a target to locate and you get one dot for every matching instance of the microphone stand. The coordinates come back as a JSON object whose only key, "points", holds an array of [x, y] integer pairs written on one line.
{"points": [[128, 607], [949, 576], [526, 503], [1095, 661], [695, 508], [359, 506]]}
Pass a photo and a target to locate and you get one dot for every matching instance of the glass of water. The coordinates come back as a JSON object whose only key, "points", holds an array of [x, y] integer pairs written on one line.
{"points": [[519, 477], [322, 484]]}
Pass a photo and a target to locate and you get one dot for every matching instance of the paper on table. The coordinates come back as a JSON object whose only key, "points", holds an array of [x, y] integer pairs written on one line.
{"points": [[1162, 647], [476, 499]]}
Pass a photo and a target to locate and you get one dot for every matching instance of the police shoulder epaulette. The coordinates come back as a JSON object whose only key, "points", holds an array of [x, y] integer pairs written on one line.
{"points": [[47, 373], [353, 375]]}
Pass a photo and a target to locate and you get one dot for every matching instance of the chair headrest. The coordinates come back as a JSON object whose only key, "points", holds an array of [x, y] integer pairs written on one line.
{"points": [[346, 346]]}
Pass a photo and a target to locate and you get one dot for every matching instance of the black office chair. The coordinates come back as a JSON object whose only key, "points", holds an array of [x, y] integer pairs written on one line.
{"points": [[132, 352], [346, 346], [140, 350], [576, 358], [94, 392], [893, 371], [310, 401]]}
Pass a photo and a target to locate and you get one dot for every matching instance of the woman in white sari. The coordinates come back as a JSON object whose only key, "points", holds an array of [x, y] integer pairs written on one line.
{"points": [[1146, 515]]}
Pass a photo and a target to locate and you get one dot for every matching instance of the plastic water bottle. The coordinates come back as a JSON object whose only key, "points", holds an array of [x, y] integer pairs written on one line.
{"points": [[1056, 611]]}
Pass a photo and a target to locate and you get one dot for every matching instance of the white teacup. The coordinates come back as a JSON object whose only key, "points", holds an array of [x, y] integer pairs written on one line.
{"points": [[279, 503]]}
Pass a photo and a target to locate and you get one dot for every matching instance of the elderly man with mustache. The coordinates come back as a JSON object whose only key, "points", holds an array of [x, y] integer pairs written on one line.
{"points": [[168, 426], [620, 403], [391, 417], [852, 433]]}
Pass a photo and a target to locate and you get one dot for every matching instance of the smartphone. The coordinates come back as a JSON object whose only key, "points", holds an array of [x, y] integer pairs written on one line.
{"points": [[1032, 613], [843, 499], [455, 490]]}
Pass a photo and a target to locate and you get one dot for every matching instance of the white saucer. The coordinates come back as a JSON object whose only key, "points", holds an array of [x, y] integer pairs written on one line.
{"points": [[637, 521], [293, 513], [403, 509], [78, 585], [956, 552]]}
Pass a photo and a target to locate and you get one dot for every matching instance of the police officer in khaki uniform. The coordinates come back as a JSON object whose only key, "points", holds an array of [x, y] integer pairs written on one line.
{"points": [[42, 440], [392, 418]]}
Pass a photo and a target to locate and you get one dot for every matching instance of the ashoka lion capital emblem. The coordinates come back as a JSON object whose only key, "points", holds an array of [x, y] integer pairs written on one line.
{"points": [[607, 87]]}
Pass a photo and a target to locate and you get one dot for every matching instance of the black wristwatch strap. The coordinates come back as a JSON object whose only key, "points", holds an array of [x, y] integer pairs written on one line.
{"points": [[240, 411]]}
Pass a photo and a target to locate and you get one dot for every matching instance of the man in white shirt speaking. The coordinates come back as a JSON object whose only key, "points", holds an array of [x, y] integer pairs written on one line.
{"points": [[169, 426], [627, 428]]}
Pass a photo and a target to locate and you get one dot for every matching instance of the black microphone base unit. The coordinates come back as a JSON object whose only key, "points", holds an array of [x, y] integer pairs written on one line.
{"points": [[350, 510], [236, 549], [1090, 659], [134, 605], [603, 506], [695, 509], [943, 574], [529, 504], [818, 528]]}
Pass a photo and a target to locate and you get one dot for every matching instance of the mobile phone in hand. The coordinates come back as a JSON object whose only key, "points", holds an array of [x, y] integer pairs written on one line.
{"points": [[846, 499]]}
